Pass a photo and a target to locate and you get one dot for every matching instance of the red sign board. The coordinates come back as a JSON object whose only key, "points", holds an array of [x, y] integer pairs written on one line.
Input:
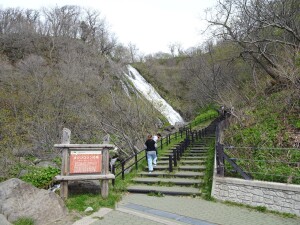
{"points": [[85, 162]]}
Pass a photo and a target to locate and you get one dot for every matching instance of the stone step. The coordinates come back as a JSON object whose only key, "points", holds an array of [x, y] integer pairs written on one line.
{"points": [[187, 174], [181, 161], [188, 150], [194, 153], [164, 190], [197, 151], [191, 167], [185, 162], [175, 181], [193, 157], [159, 167], [198, 162], [198, 146], [162, 162], [165, 159]]}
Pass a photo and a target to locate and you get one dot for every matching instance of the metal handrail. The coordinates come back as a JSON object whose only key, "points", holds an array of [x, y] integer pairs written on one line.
{"points": [[288, 160], [184, 131]]}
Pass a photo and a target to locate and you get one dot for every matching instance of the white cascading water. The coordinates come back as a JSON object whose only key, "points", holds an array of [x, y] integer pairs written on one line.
{"points": [[151, 95]]}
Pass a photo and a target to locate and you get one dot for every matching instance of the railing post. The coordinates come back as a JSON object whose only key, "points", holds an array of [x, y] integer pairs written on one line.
{"points": [[220, 160], [175, 157], [113, 171], [192, 134], [180, 150], [170, 163], [188, 141], [66, 138], [161, 143], [123, 168], [136, 162]]}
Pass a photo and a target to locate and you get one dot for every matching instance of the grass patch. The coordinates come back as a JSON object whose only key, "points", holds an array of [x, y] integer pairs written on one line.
{"points": [[265, 123], [208, 176], [24, 221], [81, 201], [205, 115], [260, 209]]}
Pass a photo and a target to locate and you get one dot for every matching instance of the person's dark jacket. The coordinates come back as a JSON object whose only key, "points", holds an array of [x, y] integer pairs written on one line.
{"points": [[150, 145]]}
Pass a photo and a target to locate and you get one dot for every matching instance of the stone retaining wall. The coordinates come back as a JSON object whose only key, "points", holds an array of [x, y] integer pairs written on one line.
{"points": [[274, 196]]}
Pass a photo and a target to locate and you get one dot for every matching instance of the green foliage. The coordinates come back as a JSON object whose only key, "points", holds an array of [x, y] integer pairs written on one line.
{"points": [[261, 209], [268, 164], [40, 177], [294, 121], [264, 124], [268, 125], [81, 201], [58, 161], [208, 177], [206, 115], [24, 221]]}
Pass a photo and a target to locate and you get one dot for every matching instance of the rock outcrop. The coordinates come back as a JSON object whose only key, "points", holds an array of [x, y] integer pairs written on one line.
{"points": [[19, 199]]}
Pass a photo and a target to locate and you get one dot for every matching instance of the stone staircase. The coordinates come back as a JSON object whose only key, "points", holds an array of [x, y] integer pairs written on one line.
{"points": [[185, 179]]}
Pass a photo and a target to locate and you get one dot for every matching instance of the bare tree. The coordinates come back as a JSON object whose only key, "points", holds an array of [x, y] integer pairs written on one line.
{"points": [[133, 51], [62, 21], [263, 29]]}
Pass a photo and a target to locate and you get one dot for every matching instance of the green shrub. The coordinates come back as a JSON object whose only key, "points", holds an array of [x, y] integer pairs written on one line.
{"points": [[209, 172], [40, 177], [207, 115]]}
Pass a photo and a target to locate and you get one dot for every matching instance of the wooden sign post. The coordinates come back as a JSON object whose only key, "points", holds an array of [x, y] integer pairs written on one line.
{"points": [[84, 162]]}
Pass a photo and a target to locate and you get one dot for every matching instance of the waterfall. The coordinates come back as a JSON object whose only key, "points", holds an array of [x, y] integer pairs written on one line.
{"points": [[152, 96]]}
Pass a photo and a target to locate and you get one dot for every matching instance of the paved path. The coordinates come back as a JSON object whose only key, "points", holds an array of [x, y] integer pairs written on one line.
{"points": [[141, 209]]}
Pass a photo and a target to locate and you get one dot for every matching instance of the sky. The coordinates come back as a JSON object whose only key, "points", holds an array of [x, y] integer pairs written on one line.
{"points": [[151, 25]]}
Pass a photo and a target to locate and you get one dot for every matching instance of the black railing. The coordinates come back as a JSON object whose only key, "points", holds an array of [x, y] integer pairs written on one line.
{"points": [[259, 163], [221, 156], [269, 164], [177, 153], [120, 168]]}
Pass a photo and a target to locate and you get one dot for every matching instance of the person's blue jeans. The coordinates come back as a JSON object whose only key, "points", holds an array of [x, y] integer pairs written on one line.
{"points": [[155, 159], [151, 155]]}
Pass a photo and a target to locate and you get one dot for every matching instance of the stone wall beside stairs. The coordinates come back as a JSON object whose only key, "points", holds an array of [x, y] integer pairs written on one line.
{"points": [[274, 196]]}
